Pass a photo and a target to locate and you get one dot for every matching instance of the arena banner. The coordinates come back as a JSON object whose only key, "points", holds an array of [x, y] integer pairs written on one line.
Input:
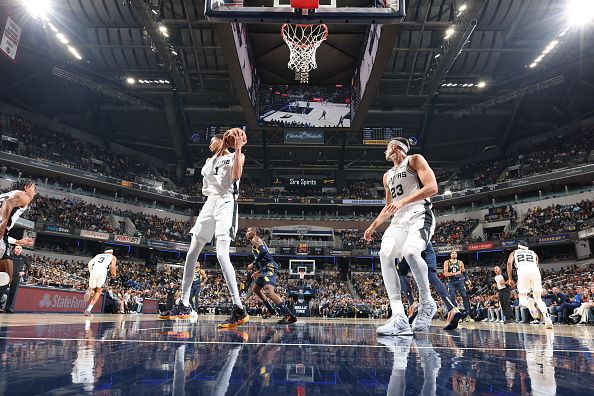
{"points": [[184, 247], [286, 250], [335, 252], [24, 223], [127, 239], [552, 238], [302, 309], [374, 202], [480, 246], [102, 236], [150, 306], [509, 243], [304, 182], [157, 244], [316, 251], [447, 248], [9, 43], [374, 251], [586, 233], [302, 248], [57, 229], [304, 137], [43, 299]]}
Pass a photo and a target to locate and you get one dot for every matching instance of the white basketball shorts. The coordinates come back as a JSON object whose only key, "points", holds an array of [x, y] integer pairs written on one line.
{"points": [[529, 279], [414, 228], [97, 278], [218, 217]]}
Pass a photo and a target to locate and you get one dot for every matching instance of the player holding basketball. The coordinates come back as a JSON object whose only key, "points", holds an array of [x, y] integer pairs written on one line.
{"points": [[265, 275], [98, 267], [12, 206], [218, 218], [526, 262], [408, 185]]}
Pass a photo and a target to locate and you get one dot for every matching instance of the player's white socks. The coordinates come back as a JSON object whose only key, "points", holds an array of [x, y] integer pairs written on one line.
{"points": [[420, 272], [228, 270], [392, 282], [196, 246]]}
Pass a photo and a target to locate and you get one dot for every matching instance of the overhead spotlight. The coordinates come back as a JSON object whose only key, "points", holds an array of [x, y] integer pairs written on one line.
{"points": [[130, 80], [167, 82], [161, 82], [449, 33], [155, 11], [481, 84], [62, 38], [454, 85], [533, 65], [437, 56], [54, 29], [580, 12], [37, 8], [74, 52], [163, 30], [174, 52]]}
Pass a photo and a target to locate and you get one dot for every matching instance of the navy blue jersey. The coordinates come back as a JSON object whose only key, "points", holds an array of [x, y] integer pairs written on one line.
{"points": [[263, 260]]}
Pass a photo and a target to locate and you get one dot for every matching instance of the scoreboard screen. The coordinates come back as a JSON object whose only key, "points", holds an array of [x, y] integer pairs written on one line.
{"points": [[204, 134], [380, 135]]}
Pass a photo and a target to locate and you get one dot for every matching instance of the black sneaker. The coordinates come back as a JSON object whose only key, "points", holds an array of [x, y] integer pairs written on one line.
{"points": [[287, 320], [179, 311], [454, 317], [237, 318]]}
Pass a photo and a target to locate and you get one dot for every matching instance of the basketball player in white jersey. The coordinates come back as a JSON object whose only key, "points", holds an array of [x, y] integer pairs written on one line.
{"points": [[529, 280], [12, 206], [408, 186], [218, 218], [98, 267]]}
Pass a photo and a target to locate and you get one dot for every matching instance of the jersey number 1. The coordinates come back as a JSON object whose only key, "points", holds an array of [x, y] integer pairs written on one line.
{"points": [[217, 171], [396, 191]]}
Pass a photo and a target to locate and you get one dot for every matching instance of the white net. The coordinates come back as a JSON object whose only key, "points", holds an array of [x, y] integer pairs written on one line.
{"points": [[303, 42]]}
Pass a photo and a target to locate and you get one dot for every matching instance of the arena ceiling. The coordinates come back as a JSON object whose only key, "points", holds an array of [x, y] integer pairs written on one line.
{"points": [[116, 41]]}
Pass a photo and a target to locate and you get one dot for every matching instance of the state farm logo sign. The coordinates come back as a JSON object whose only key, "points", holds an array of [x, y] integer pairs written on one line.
{"points": [[43, 299], [62, 301]]}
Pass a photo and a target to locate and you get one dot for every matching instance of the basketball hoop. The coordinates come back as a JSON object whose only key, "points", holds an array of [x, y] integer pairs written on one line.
{"points": [[303, 42]]}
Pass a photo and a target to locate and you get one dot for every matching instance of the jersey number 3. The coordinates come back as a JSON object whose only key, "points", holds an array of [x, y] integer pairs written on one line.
{"points": [[396, 191]]}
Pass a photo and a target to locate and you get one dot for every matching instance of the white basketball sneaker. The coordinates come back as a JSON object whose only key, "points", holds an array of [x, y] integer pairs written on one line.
{"points": [[426, 313], [396, 326], [548, 322]]}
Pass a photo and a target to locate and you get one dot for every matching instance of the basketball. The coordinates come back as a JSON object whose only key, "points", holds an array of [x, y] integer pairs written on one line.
{"points": [[232, 134]]}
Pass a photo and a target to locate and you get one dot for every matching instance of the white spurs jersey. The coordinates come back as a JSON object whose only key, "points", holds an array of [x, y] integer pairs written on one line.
{"points": [[402, 182], [216, 176], [524, 258], [16, 212], [100, 262]]}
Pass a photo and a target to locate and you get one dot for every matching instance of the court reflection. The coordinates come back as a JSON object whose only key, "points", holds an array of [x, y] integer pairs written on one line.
{"points": [[151, 357]]}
